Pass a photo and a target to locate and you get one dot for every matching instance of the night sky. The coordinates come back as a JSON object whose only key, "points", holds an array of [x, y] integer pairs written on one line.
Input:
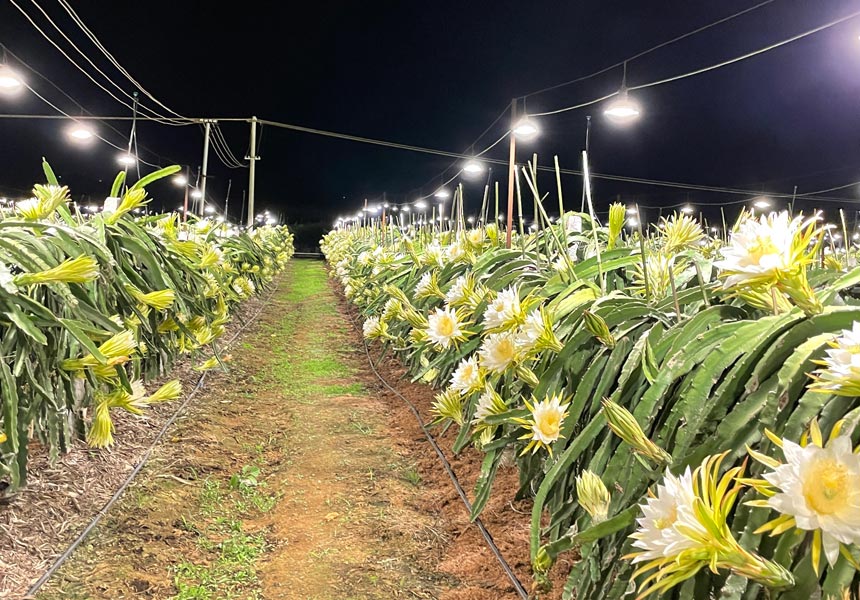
{"points": [[435, 75]]}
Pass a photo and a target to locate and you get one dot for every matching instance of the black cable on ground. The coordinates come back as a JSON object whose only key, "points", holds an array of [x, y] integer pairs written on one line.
{"points": [[521, 591], [198, 386]]}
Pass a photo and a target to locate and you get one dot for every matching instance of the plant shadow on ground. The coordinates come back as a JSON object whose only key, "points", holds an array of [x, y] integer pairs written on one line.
{"points": [[281, 482]]}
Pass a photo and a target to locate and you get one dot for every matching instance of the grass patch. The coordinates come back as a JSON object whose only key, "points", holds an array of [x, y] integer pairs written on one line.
{"points": [[227, 567]]}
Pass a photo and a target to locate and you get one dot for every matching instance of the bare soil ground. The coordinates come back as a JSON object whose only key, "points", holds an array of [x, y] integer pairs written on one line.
{"points": [[295, 476]]}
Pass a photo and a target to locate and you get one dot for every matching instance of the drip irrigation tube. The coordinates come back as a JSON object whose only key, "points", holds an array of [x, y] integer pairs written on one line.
{"points": [[198, 386], [521, 591]]}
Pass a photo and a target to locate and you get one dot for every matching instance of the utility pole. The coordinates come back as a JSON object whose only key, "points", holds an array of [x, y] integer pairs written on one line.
{"points": [[208, 127], [131, 136], [242, 210], [511, 171], [252, 171]]}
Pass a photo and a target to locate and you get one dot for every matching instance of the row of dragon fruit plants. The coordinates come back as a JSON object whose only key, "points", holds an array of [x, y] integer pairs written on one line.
{"points": [[94, 307], [683, 409]]}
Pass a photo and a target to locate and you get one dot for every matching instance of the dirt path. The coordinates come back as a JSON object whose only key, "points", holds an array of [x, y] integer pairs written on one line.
{"points": [[282, 482]]}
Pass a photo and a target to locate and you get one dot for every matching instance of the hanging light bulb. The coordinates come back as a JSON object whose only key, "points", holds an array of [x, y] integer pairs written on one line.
{"points": [[180, 180], [442, 193], [473, 167], [10, 81], [420, 205], [126, 159], [687, 209], [761, 203], [525, 129], [196, 194], [622, 109], [80, 133]]}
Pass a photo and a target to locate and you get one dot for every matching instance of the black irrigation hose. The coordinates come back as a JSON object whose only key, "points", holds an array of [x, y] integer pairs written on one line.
{"points": [[70, 550], [460, 491]]}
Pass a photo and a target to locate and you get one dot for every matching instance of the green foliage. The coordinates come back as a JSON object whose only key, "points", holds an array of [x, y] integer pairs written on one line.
{"points": [[69, 284], [701, 371]]}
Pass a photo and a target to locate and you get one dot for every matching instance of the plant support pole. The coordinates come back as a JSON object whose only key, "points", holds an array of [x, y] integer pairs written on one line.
{"points": [[511, 167]]}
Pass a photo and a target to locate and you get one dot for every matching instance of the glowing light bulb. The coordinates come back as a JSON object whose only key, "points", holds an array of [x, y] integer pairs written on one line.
{"points": [[126, 159], [473, 167], [442, 193], [622, 109], [196, 194], [180, 180], [10, 81], [80, 133], [525, 129]]}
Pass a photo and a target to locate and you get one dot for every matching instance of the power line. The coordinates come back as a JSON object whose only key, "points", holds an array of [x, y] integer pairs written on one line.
{"points": [[648, 51], [705, 69], [163, 119], [225, 154], [461, 156], [71, 12]]}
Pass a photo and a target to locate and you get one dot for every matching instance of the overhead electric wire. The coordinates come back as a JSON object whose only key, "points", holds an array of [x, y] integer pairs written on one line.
{"points": [[231, 160], [71, 12], [222, 154], [648, 51], [704, 69], [638, 180], [160, 118], [445, 170]]}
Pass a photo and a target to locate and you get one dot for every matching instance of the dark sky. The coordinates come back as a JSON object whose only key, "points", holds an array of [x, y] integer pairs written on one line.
{"points": [[436, 74]]}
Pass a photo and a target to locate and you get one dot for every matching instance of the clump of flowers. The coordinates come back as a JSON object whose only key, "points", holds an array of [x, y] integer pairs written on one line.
{"points": [[816, 489], [375, 328], [444, 328], [840, 374], [499, 352], [683, 529], [467, 377], [537, 333], [768, 256], [428, 286], [489, 403], [680, 232], [544, 423], [505, 311], [448, 405]]}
